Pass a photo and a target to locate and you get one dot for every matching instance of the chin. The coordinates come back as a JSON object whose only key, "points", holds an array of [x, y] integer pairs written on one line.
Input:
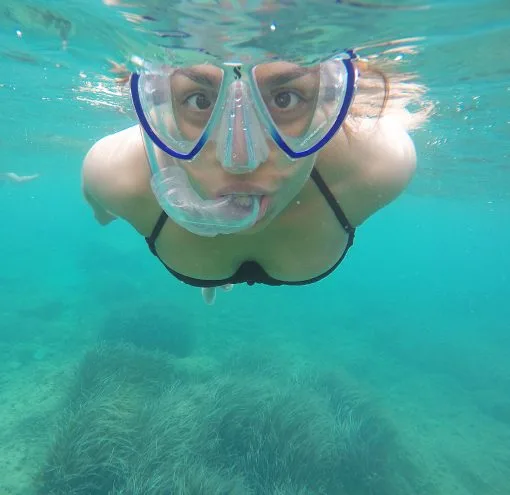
{"points": [[263, 223], [258, 227]]}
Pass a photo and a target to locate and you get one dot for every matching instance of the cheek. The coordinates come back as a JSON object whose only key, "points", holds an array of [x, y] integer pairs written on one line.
{"points": [[187, 130], [204, 164], [204, 174], [300, 170], [198, 173]]}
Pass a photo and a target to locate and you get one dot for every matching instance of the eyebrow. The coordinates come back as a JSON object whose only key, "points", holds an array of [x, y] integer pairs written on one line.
{"points": [[199, 78], [273, 80], [285, 77]]}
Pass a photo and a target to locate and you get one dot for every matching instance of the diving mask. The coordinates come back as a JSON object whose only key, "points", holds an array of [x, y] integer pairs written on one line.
{"points": [[242, 110]]}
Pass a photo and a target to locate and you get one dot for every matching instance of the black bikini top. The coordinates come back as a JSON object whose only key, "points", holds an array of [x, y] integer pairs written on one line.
{"points": [[251, 272]]}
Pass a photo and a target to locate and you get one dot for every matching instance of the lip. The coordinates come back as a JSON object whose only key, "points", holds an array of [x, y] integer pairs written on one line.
{"points": [[264, 204], [244, 189]]}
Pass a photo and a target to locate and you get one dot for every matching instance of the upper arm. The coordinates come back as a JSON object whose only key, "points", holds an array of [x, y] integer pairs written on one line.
{"points": [[96, 182], [393, 165], [385, 161], [111, 177]]}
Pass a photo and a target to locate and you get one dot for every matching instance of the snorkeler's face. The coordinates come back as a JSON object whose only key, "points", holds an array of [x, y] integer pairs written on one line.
{"points": [[246, 136], [288, 91]]}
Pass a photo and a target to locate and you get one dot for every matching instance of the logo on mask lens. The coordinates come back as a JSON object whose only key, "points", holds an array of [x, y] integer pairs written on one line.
{"points": [[237, 72]]}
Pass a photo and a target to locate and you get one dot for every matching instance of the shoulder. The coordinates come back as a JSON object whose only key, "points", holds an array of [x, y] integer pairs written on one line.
{"points": [[371, 166], [386, 157], [115, 171]]}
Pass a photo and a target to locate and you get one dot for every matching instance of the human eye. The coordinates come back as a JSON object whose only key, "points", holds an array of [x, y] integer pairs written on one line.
{"points": [[198, 102], [285, 100]]}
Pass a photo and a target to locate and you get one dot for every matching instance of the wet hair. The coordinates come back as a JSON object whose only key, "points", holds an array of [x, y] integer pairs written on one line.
{"points": [[383, 89]]}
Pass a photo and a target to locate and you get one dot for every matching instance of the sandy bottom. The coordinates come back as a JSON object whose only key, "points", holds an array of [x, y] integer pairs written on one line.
{"points": [[462, 450], [30, 394]]}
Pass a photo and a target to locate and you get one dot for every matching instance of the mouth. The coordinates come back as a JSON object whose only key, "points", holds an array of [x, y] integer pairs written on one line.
{"points": [[243, 189], [243, 200], [242, 196], [244, 203]]}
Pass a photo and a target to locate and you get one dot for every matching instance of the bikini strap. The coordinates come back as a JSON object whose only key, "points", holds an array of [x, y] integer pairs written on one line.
{"points": [[151, 240], [332, 202]]}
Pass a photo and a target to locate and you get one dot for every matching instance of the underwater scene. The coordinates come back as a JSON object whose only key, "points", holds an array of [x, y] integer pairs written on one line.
{"points": [[390, 376]]}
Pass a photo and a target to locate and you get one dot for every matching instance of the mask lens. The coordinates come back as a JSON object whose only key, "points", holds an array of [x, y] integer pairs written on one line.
{"points": [[178, 104], [302, 104]]}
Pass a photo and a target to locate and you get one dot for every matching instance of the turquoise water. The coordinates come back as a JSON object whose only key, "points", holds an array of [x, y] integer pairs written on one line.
{"points": [[417, 317]]}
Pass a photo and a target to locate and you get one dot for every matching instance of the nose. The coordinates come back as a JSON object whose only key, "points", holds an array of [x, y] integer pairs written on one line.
{"points": [[244, 147], [240, 156]]}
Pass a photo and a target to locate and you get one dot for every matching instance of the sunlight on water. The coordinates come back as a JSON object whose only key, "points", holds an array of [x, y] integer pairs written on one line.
{"points": [[65, 58], [289, 29]]}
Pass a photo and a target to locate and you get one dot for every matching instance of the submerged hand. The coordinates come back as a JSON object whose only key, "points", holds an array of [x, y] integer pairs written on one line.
{"points": [[209, 293]]}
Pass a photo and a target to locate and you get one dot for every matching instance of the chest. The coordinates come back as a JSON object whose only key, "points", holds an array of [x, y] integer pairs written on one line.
{"points": [[303, 243]]}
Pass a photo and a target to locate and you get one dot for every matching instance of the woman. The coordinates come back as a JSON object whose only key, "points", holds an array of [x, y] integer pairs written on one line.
{"points": [[256, 174]]}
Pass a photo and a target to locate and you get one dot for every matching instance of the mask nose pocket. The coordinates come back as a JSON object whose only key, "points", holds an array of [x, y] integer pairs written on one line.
{"points": [[241, 141]]}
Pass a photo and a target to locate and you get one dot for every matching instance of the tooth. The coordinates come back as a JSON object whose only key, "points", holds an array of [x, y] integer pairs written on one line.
{"points": [[244, 201]]}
